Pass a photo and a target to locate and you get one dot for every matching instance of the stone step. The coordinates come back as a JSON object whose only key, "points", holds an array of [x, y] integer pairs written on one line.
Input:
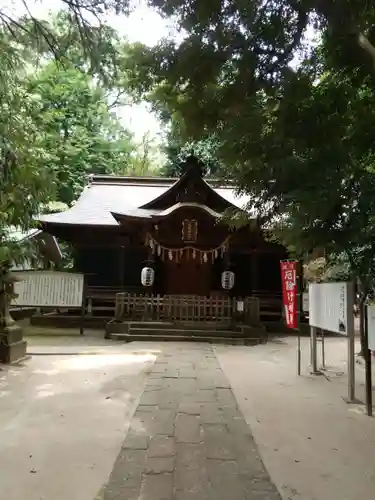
{"points": [[159, 337], [195, 332], [182, 325], [151, 328], [69, 321]]}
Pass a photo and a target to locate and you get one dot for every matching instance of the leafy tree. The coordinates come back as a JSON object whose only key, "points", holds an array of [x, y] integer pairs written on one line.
{"points": [[78, 31], [63, 40], [233, 50], [178, 150], [33, 112], [145, 158], [298, 141], [79, 130], [24, 180], [315, 170]]}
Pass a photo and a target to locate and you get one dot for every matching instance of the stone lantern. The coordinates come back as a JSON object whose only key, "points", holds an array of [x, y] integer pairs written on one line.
{"points": [[12, 345]]}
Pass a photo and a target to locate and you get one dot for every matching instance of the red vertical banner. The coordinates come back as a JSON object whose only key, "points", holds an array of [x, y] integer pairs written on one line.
{"points": [[290, 292]]}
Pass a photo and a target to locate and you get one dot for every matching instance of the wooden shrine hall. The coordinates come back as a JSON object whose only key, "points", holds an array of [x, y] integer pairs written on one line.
{"points": [[170, 235]]}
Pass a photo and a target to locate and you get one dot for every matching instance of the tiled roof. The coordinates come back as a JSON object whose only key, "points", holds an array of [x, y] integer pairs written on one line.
{"points": [[122, 196], [16, 234], [52, 247]]}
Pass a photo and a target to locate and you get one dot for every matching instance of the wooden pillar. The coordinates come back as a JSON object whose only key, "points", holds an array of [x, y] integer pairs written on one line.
{"points": [[254, 271], [121, 265]]}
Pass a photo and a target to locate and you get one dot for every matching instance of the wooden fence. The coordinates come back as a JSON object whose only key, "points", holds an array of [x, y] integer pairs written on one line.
{"points": [[186, 308]]}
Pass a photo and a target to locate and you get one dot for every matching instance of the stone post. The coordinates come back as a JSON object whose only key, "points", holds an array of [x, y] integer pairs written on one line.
{"points": [[12, 345]]}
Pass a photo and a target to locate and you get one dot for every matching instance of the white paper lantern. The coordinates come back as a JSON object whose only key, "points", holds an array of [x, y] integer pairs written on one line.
{"points": [[227, 280], [147, 276]]}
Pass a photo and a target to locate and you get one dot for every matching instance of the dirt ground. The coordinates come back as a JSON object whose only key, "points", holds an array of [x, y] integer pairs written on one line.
{"points": [[64, 414], [314, 445]]}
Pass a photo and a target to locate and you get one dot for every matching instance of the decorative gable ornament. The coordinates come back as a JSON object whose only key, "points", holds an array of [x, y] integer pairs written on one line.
{"points": [[147, 276], [227, 280], [189, 230]]}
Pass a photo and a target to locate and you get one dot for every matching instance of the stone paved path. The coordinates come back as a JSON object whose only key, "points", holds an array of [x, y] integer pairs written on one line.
{"points": [[187, 439]]}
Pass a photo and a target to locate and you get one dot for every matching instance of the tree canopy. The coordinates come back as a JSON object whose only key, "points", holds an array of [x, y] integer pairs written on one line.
{"points": [[24, 179], [60, 86], [290, 133], [78, 32], [79, 130], [177, 149], [294, 120]]}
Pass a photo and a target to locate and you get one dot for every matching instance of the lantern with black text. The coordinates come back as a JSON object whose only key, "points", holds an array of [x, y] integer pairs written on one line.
{"points": [[227, 280], [147, 276]]}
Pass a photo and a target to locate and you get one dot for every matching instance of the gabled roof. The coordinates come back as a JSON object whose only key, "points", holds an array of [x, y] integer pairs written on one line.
{"points": [[17, 234], [127, 196], [48, 243]]}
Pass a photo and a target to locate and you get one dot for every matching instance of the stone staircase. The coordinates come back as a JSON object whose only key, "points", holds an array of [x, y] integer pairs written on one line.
{"points": [[194, 332]]}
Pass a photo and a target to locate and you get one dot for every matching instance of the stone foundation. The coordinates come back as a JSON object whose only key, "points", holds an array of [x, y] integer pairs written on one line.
{"points": [[12, 346]]}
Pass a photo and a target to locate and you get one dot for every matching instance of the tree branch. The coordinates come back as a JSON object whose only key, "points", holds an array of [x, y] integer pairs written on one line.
{"points": [[366, 45]]}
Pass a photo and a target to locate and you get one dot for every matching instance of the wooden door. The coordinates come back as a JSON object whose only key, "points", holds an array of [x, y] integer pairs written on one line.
{"points": [[188, 277]]}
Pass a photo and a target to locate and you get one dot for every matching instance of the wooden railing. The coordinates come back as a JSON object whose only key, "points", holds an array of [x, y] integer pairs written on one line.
{"points": [[186, 308]]}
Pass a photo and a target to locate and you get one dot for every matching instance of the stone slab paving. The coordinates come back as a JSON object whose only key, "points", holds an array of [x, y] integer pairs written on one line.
{"points": [[187, 439]]}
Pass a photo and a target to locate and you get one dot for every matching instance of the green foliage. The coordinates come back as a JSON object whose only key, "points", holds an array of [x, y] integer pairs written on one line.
{"points": [[145, 158], [320, 270], [24, 180], [78, 33], [177, 151], [298, 142], [79, 130], [58, 83], [58, 123], [318, 169]]}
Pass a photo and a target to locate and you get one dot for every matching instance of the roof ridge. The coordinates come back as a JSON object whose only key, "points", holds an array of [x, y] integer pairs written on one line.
{"points": [[156, 180], [123, 179]]}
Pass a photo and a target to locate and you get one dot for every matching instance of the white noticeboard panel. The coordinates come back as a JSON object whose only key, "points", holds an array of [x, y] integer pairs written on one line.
{"points": [[331, 307], [240, 306], [305, 302], [48, 289], [371, 326]]}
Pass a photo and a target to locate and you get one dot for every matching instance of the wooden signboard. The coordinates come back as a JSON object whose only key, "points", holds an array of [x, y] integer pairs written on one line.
{"points": [[331, 307], [48, 289]]}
